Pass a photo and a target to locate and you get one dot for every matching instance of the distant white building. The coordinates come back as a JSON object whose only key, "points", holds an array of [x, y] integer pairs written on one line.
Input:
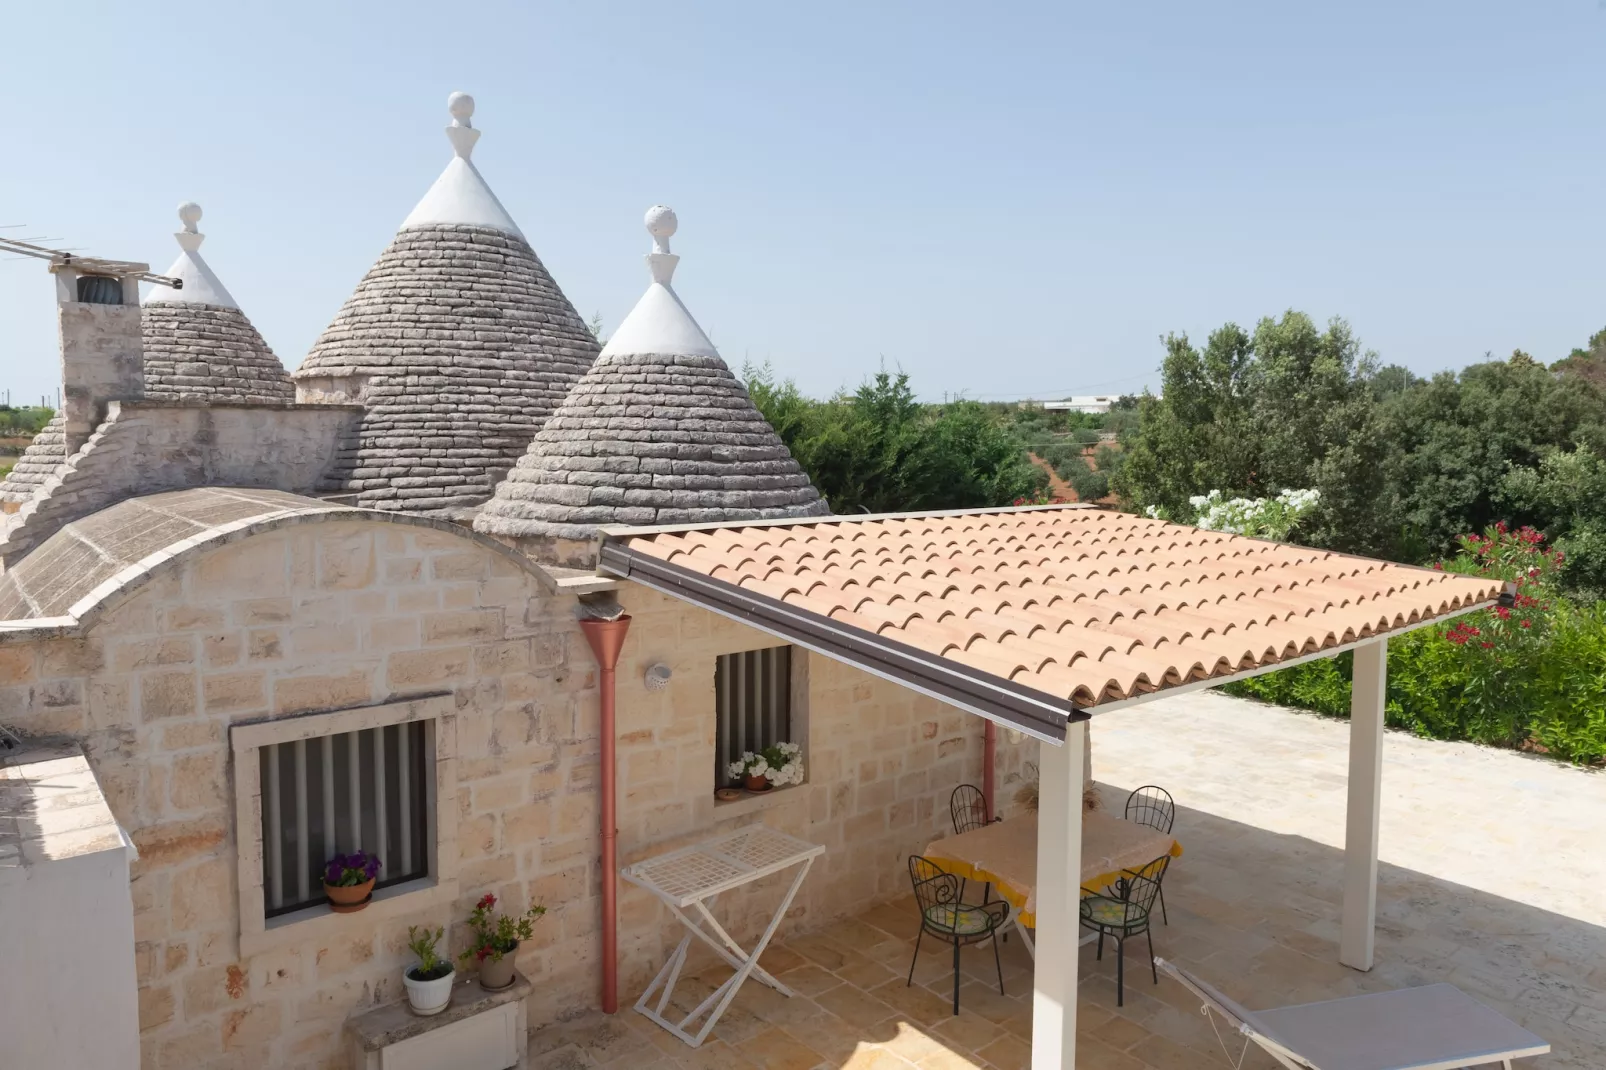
{"points": [[1084, 403]]}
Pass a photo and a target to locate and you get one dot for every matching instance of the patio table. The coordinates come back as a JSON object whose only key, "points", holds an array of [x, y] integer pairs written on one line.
{"points": [[1004, 853], [693, 877]]}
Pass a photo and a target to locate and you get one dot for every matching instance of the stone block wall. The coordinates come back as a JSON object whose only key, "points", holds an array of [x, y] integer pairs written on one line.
{"points": [[881, 764], [149, 447], [337, 614], [101, 357], [310, 618]]}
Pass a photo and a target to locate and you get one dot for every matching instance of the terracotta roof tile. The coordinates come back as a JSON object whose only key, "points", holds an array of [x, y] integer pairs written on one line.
{"points": [[1081, 604]]}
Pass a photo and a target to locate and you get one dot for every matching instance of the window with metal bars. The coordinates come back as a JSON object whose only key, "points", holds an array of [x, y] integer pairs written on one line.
{"points": [[365, 790], [753, 704]]}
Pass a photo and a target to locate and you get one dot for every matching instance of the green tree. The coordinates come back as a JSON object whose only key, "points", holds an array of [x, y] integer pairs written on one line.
{"points": [[881, 450], [1452, 439], [1290, 406]]}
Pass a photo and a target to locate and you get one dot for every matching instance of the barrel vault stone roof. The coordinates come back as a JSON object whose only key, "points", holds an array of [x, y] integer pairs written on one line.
{"points": [[97, 556], [199, 345], [658, 431], [463, 345]]}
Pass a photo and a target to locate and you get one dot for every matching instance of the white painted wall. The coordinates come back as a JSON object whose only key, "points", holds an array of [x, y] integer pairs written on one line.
{"points": [[70, 997]]}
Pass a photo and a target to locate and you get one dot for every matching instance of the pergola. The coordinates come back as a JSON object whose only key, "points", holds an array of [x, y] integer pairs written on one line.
{"points": [[1041, 616]]}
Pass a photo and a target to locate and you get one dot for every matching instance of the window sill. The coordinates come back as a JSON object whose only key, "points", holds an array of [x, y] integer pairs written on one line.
{"points": [[757, 803], [321, 923]]}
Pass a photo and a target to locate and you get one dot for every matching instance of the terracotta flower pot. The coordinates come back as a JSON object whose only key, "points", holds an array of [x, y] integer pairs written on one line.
{"points": [[348, 899], [498, 973], [756, 783]]}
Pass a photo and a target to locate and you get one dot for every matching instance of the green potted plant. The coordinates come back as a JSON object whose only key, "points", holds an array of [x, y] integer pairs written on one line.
{"points": [[774, 766], [496, 938], [429, 983], [348, 881]]}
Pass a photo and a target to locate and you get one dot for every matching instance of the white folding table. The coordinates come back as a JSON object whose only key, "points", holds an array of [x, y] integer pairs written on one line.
{"points": [[691, 878]]}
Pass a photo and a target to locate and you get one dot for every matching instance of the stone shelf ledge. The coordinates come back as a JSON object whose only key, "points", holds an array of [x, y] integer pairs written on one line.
{"points": [[478, 1030]]}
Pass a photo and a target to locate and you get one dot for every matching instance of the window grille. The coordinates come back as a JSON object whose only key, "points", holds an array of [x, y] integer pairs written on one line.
{"points": [[366, 790], [753, 704]]}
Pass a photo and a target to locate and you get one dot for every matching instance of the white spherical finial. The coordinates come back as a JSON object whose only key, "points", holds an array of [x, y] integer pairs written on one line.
{"points": [[461, 105], [661, 224], [189, 213]]}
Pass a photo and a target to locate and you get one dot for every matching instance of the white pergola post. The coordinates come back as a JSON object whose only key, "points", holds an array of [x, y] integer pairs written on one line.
{"points": [[1365, 799], [1059, 880]]}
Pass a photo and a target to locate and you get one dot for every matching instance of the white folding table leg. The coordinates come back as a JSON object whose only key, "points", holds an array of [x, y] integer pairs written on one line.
{"points": [[734, 961], [1025, 936], [669, 970], [751, 963], [758, 971]]}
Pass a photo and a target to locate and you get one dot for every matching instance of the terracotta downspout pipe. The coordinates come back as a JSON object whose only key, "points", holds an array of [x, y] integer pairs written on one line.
{"points": [[607, 638], [989, 755]]}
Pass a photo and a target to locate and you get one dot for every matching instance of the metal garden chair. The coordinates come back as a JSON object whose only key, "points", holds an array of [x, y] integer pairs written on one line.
{"points": [[968, 809], [1152, 805], [1125, 914], [944, 916]]}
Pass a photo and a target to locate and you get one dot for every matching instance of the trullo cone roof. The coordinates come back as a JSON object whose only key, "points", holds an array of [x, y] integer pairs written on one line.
{"points": [[657, 432], [198, 345], [46, 453], [462, 343]]}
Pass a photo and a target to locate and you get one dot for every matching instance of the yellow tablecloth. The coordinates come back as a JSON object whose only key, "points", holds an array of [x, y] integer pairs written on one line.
{"points": [[1005, 853]]}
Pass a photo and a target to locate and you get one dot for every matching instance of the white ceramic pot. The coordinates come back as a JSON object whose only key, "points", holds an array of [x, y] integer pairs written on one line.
{"points": [[428, 997]]}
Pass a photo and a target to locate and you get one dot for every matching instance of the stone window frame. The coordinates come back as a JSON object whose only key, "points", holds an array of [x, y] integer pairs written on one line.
{"points": [[259, 933], [798, 689]]}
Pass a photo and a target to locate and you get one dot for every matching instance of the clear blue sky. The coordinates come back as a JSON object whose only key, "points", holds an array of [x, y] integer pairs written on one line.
{"points": [[1002, 199]]}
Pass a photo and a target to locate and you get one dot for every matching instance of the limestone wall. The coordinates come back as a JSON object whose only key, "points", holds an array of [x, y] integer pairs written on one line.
{"points": [[882, 763], [340, 614], [148, 447]]}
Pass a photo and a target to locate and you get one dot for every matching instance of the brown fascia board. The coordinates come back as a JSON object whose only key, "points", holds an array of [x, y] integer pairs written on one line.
{"points": [[1041, 715]]}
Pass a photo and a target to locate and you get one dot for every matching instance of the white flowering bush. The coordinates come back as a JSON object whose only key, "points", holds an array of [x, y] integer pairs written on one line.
{"points": [[782, 764], [1261, 518]]}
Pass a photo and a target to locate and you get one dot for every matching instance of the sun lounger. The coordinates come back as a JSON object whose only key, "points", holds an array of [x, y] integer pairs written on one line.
{"points": [[1434, 1027]]}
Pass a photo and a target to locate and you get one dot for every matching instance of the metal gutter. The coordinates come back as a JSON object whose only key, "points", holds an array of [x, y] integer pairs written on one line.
{"points": [[1042, 715]]}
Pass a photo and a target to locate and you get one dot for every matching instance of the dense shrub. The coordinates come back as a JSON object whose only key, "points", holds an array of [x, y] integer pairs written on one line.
{"points": [[1531, 675], [1091, 484]]}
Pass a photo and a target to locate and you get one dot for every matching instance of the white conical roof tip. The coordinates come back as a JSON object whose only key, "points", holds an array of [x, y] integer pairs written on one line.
{"points": [[660, 324], [460, 194], [661, 224], [201, 284]]}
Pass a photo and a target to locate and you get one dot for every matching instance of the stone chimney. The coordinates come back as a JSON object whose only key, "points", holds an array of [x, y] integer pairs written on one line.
{"points": [[102, 358]]}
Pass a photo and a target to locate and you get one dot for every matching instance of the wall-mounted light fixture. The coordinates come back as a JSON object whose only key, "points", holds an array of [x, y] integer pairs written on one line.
{"points": [[657, 677]]}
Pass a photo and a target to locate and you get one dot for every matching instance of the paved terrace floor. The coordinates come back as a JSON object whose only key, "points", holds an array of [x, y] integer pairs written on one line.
{"points": [[1492, 877]]}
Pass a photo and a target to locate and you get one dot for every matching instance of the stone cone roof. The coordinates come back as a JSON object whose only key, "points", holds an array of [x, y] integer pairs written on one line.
{"points": [[657, 432], [461, 345], [209, 353], [46, 453], [198, 345]]}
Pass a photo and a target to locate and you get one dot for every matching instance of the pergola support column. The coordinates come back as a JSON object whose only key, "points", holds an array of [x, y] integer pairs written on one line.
{"points": [[1365, 800], [1059, 880]]}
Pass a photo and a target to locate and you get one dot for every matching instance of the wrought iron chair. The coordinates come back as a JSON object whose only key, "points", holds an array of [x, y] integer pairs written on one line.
{"points": [[945, 916], [1152, 805], [1126, 914], [968, 809]]}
